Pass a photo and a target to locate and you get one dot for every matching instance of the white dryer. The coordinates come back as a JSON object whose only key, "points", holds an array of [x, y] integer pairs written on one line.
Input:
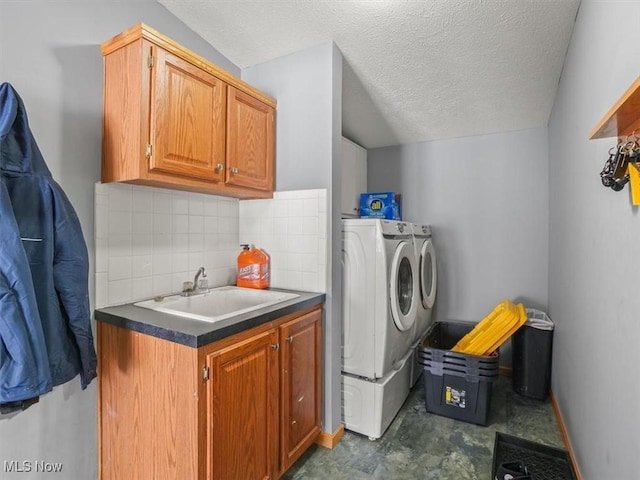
{"points": [[427, 277], [428, 283], [380, 301]]}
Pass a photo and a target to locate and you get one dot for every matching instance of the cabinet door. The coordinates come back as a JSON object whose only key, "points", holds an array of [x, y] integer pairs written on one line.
{"points": [[242, 409], [354, 177], [187, 119], [249, 141], [300, 385]]}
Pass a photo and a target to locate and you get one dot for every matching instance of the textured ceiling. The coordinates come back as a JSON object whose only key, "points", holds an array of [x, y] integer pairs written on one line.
{"points": [[413, 70]]}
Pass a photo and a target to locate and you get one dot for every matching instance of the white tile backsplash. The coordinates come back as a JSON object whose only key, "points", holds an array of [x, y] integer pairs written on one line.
{"points": [[150, 240], [280, 208], [196, 242], [210, 207], [119, 291], [142, 200], [120, 198], [101, 224], [180, 242], [102, 285], [296, 207], [161, 285], [161, 200], [196, 259], [179, 262], [196, 206], [180, 204], [119, 245], [141, 266], [161, 223], [196, 224], [101, 255], [141, 288], [119, 268], [161, 264], [210, 225], [291, 228], [119, 223], [141, 244], [142, 223], [180, 224]]}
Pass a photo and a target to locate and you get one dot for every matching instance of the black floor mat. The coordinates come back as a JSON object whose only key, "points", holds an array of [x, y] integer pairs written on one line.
{"points": [[543, 461]]}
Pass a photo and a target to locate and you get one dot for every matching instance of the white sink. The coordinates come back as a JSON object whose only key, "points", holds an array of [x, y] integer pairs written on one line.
{"points": [[218, 303]]}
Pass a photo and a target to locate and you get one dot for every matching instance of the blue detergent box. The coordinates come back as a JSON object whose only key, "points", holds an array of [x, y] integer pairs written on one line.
{"points": [[380, 205]]}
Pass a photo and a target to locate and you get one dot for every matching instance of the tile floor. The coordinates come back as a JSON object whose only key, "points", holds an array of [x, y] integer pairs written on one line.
{"points": [[420, 445]]}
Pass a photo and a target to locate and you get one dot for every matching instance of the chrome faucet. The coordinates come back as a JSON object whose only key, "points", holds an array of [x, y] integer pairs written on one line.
{"points": [[198, 273], [191, 288]]}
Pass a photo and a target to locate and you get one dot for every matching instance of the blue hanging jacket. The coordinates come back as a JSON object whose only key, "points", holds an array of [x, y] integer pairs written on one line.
{"points": [[54, 247], [24, 364]]}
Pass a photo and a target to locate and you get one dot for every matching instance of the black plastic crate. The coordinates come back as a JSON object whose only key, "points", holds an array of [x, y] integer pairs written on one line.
{"points": [[544, 462], [468, 372], [456, 385], [444, 335], [458, 398], [460, 364]]}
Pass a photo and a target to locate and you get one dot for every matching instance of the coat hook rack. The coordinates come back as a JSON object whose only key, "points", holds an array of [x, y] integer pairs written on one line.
{"points": [[622, 121]]}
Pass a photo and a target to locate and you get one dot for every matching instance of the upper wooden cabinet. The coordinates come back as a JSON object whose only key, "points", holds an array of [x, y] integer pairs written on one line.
{"points": [[187, 123], [249, 141], [174, 120]]}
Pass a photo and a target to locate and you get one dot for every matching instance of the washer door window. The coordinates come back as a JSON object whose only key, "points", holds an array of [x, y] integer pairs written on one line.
{"points": [[403, 303], [428, 274]]}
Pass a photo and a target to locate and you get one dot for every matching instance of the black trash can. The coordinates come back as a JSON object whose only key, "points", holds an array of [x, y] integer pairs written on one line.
{"points": [[531, 349]]}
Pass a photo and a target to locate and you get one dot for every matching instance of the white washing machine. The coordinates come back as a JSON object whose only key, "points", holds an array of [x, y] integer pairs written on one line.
{"points": [[428, 283], [380, 302]]}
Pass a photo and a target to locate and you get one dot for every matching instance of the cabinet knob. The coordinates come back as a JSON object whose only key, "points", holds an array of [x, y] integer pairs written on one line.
{"points": [[289, 339], [275, 346], [234, 170], [219, 167]]}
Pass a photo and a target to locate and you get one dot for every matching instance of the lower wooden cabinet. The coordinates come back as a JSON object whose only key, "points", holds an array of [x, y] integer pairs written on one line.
{"points": [[245, 407], [300, 389], [242, 405]]}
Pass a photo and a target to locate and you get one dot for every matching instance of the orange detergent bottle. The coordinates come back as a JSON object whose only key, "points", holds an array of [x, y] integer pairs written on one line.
{"points": [[253, 267]]}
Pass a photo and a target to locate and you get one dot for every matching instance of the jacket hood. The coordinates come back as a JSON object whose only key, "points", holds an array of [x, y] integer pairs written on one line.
{"points": [[19, 152]]}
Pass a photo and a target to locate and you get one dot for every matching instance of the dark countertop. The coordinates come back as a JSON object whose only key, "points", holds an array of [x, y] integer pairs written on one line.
{"points": [[196, 333]]}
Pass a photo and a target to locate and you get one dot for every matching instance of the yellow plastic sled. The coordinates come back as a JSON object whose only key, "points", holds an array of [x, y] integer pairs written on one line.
{"points": [[493, 330]]}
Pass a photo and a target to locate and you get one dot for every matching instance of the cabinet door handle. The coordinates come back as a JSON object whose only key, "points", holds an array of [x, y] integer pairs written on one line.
{"points": [[275, 346], [219, 167], [234, 170], [289, 339]]}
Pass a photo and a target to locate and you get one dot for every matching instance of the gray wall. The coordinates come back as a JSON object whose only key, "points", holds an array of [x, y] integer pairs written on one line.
{"points": [[486, 198], [50, 52], [303, 85], [594, 258], [308, 86]]}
